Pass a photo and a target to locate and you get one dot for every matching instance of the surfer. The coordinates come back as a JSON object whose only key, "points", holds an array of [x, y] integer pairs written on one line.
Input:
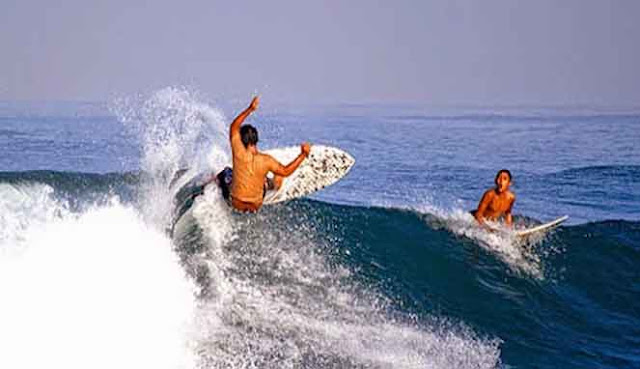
{"points": [[498, 201], [246, 185]]}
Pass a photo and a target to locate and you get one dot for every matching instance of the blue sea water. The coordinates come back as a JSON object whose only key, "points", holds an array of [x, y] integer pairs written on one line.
{"points": [[383, 269]]}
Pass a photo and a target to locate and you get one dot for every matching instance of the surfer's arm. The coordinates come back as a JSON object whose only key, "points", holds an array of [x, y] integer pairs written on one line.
{"points": [[286, 170], [235, 125], [482, 207], [508, 218]]}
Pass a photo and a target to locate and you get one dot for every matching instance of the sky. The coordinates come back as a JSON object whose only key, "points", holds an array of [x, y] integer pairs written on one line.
{"points": [[474, 52]]}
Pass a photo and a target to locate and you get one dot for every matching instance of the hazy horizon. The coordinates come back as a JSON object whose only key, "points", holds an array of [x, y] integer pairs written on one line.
{"points": [[440, 53]]}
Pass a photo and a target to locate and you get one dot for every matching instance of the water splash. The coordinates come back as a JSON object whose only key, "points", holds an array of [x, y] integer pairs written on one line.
{"points": [[176, 130], [521, 256], [23, 208]]}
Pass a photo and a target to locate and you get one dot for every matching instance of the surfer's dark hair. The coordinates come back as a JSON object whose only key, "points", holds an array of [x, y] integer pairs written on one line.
{"points": [[249, 135], [503, 171]]}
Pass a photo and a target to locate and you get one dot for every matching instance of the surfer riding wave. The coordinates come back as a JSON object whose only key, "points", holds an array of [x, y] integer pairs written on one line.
{"points": [[247, 182]]}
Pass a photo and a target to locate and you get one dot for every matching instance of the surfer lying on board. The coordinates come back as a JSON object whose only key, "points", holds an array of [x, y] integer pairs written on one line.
{"points": [[496, 202], [248, 180]]}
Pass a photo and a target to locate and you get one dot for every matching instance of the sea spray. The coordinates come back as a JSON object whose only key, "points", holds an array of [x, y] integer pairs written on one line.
{"points": [[25, 206], [176, 130], [521, 256], [102, 287]]}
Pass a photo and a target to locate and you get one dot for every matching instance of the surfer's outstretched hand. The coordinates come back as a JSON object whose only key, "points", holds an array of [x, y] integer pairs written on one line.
{"points": [[305, 148], [254, 103]]}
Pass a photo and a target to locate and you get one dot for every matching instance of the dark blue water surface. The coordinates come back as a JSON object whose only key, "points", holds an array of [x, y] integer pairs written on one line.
{"points": [[391, 226]]}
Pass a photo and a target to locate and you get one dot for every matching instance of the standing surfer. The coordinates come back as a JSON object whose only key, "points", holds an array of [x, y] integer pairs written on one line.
{"points": [[248, 179]]}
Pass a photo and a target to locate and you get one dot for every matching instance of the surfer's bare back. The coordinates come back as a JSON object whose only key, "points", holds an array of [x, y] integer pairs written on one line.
{"points": [[250, 167], [498, 201]]}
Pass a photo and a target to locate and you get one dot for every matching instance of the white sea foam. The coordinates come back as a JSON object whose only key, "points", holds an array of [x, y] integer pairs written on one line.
{"points": [[23, 207], [103, 288], [93, 290]]}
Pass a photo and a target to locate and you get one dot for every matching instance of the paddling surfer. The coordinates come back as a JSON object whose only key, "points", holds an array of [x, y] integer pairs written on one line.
{"points": [[497, 202]]}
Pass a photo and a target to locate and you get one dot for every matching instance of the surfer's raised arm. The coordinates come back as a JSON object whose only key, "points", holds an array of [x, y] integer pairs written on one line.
{"points": [[286, 170], [235, 125]]}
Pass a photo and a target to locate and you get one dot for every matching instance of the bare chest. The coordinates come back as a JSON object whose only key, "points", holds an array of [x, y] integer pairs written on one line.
{"points": [[499, 204]]}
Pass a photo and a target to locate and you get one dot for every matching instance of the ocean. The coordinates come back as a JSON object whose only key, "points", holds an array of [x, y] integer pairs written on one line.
{"points": [[384, 269]]}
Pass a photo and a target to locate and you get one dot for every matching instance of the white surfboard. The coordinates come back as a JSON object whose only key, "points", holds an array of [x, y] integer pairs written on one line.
{"points": [[542, 227], [324, 166]]}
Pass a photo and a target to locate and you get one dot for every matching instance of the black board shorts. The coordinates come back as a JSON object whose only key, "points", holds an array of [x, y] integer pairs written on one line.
{"points": [[224, 179]]}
